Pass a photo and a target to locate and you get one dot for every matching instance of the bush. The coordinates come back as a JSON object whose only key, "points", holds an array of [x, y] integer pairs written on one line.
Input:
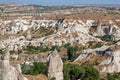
{"points": [[34, 49], [90, 73], [64, 59], [70, 53], [114, 76], [19, 51], [12, 52], [25, 68], [67, 45], [53, 78], [49, 33], [1, 51], [95, 45], [35, 69], [105, 37], [75, 72], [56, 47]]}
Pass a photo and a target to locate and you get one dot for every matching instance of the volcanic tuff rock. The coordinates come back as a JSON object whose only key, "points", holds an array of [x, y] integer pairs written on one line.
{"points": [[88, 53], [112, 63], [55, 66], [115, 32], [101, 29], [72, 31], [8, 72], [109, 58]]}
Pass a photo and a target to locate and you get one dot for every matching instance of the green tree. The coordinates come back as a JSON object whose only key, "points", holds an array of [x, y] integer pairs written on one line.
{"points": [[75, 72], [70, 53], [91, 73]]}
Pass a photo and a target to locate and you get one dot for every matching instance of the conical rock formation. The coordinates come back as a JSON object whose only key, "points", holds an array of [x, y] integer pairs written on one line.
{"points": [[55, 66]]}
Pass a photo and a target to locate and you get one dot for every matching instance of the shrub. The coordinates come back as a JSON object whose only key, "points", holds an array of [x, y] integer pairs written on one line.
{"points": [[49, 33], [95, 45], [19, 51], [114, 76], [56, 47], [67, 45], [34, 49], [105, 37], [1, 51], [12, 52], [70, 53], [53, 78], [91, 73], [25, 68], [64, 59], [75, 72], [35, 69]]}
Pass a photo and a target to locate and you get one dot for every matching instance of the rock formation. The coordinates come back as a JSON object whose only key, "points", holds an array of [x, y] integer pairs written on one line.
{"points": [[107, 58], [8, 72], [115, 33], [55, 66], [28, 35], [112, 63], [88, 53], [100, 31]]}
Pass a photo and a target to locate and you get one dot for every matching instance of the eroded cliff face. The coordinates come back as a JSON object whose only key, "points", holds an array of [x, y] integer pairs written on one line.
{"points": [[55, 66], [8, 72]]}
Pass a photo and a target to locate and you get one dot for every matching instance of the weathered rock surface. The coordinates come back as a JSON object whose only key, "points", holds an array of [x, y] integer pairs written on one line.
{"points": [[115, 31], [88, 53], [112, 63], [55, 66], [8, 72], [74, 32], [109, 58]]}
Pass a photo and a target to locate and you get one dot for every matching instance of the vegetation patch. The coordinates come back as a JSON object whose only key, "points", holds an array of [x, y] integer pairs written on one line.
{"points": [[75, 72], [35, 69]]}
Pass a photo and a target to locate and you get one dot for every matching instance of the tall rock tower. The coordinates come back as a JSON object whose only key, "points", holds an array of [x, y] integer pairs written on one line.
{"points": [[55, 66], [100, 31]]}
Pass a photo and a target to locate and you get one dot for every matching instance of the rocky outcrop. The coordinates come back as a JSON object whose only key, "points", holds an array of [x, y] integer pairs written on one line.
{"points": [[69, 31], [28, 35], [100, 31], [88, 53], [55, 66], [115, 31], [8, 72], [106, 58], [112, 63]]}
